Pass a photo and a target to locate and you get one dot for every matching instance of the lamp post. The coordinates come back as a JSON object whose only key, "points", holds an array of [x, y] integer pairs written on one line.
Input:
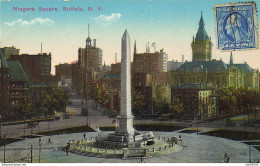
{"points": [[197, 123], [0, 126], [249, 136], [40, 144], [24, 126], [249, 148], [31, 153], [4, 148]]}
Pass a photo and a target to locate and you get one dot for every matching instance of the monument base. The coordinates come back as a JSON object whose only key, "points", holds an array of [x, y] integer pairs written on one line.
{"points": [[121, 140], [114, 145], [125, 126]]}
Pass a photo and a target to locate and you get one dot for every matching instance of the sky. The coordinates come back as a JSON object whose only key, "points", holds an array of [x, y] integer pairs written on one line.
{"points": [[171, 24]]}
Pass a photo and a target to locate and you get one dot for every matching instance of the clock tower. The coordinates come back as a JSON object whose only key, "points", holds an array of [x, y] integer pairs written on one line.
{"points": [[201, 45]]}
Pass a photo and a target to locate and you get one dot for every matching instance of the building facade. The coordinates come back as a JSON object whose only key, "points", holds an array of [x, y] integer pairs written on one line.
{"points": [[37, 67], [90, 68], [198, 100], [18, 88], [4, 86], [63, 70], [13, 88], [150, 62], [173, 65], [202, 69]]}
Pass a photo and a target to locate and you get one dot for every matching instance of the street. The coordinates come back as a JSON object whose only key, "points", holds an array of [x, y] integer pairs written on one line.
{"points": [[96, 118]]}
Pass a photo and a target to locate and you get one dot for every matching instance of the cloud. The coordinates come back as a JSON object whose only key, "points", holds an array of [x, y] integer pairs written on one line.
{"points": [[38, 20], [108, 19]]}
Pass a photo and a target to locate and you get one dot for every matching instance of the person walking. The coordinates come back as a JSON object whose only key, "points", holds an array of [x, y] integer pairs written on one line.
{"points": [[49, 141]]}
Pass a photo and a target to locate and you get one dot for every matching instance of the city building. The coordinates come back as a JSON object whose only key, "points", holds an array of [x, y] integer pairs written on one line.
{"points": [[4, 86], [63, 70], [75, 76], [173, 65], [202, 69], [150, 62], [90, 67], [201, 45], [106, 68], [116, 67], [37, 67], [199, 100], [18, 88], [7, 51], [13, 88], [165, 60]]}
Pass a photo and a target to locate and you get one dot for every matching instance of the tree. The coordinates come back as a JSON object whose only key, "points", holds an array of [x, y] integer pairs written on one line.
{"points": [[159, 100], [138, 102], [176, 108], [227, 100], [242, 100], [56, 99], [100, 95]]}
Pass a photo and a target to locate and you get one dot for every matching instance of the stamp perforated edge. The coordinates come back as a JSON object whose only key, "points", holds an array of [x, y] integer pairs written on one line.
{"points": [[255, 23]]}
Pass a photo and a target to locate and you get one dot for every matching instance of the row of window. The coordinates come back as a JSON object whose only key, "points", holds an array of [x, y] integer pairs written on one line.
{"points": [[14, 102]]}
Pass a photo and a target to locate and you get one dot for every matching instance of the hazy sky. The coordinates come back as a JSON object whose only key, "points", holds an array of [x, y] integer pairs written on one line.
{"points": [[169, 23]]}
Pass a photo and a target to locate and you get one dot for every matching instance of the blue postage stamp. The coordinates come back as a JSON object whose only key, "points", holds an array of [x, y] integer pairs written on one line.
{"points": [[236, 26]]}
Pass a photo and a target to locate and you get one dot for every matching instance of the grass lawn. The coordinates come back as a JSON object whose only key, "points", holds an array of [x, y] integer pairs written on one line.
{"points": [[234, 135], [252, 117]]}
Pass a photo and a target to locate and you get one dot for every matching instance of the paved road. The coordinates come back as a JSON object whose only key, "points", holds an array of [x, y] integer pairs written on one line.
{"points": [[96, 118]]}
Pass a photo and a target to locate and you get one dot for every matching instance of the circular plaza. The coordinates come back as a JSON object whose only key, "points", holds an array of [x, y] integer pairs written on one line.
{"points": [[195, 148]]}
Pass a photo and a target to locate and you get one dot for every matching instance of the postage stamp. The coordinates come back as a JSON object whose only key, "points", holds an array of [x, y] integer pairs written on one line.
{"points": [[236, 26]]}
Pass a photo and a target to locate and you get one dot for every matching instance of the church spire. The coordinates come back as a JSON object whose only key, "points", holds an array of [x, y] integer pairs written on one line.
{"points": [[231, 59]]}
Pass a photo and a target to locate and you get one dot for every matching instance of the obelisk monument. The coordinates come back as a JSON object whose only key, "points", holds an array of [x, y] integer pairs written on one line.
{"points": [[126, 118]]}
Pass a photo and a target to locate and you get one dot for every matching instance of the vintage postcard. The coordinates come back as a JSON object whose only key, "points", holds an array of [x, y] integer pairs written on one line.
{"points": [[129, 81]]}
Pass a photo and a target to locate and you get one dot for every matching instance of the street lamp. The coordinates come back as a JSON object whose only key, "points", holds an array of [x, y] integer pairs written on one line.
{"points": [[249, 148], [4, 148], [40, 144], [24, 126], [197, 123], [0, 126]]}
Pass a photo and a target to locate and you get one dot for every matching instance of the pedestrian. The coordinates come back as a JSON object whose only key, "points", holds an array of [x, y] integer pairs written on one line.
{"points": [[67, 148], [49, 141], [180, 136], [226, 157], [84, 135]]}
